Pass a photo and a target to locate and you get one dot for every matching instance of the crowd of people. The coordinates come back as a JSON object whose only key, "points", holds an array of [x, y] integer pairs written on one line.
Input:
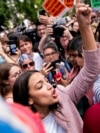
{"points": [[53, 69]]}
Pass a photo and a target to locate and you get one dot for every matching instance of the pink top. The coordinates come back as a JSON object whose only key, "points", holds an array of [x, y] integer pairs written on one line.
{"points": [[68, 117]]}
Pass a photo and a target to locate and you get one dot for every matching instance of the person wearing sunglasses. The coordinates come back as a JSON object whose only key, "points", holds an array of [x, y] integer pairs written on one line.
{"points": [[26, 62]]}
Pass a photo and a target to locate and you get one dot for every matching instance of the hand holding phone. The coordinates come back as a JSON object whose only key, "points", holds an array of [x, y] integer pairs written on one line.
{"points": [[46, 68]]}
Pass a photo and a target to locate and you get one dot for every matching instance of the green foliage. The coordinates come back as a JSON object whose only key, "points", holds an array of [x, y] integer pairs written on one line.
{"points": [[26, 8], [4, 13]]}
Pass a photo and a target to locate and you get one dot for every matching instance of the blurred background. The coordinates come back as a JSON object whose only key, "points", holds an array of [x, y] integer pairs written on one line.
{"points": [[13, 12]]}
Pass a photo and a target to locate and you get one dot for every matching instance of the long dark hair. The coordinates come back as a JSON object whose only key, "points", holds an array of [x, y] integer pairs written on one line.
{"points": [[21, 90], [97, 31], [75, 44], [60, 47]]}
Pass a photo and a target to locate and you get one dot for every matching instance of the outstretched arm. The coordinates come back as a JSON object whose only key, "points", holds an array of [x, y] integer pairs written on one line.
{"points": [[88, 74], [84, 18]]}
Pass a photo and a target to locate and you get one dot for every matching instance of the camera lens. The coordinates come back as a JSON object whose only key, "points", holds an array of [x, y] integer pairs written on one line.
{"points": [[58, 31]]}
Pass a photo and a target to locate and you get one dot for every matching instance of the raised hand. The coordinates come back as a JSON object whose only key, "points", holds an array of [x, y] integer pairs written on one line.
{"points": [[46, 68], [83, 13]]}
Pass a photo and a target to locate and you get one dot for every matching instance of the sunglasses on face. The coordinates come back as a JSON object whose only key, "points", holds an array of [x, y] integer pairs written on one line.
{"points": [[29, 64]]}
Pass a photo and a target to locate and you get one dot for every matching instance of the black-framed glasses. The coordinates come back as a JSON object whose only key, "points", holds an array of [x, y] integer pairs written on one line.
{"points": [[49, 54], [28, 64]]}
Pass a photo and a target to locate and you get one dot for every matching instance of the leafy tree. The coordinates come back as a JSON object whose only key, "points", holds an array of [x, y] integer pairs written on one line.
{"points": [[25, 8], [4, 13], [28, 9]]}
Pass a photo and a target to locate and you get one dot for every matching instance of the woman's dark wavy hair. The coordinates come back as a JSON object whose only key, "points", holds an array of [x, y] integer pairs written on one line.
{"points": [[75, 44], [60, 47], [21, 90]]}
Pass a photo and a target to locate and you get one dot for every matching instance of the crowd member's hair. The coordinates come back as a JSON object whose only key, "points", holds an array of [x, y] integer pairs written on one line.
{"points": [[51, 45], [60, 47], [4, 75], [21, 90], [23, 57], [4, 39], [75, 44], [38, 23], [97, 31], [24, 38]]}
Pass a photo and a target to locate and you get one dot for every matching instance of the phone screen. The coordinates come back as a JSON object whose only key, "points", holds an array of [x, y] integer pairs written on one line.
{"points": [[62, 69], [12, 48]]}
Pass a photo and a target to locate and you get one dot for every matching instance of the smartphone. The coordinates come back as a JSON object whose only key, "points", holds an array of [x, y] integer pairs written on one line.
{"points": [[13, 49], [53, 64], [42, 12], [62, 69]]}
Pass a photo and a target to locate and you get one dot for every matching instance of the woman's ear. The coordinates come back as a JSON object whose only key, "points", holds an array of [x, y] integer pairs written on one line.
{"points": [[30, 101]]}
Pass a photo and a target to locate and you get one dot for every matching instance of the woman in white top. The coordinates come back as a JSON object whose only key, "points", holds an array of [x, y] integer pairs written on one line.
{"points": [[25, 46]]}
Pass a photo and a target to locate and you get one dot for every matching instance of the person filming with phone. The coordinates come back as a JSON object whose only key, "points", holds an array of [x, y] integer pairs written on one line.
{"points": [[12, 51], [8, 54], [55, 67]]}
